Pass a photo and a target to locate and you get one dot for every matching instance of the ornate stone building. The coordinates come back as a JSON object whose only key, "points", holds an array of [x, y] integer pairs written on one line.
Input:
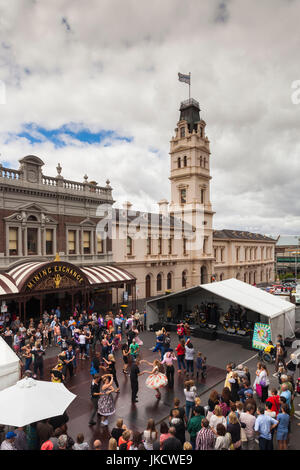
{"points": [[217, 255], [43, 217]]}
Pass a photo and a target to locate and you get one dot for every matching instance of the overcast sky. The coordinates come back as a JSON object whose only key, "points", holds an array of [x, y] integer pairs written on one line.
{"points": [[93, 85]]}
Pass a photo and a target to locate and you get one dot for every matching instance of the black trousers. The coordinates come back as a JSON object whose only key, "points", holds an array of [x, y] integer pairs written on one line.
{"points": [[69, 367], [39, 366], [95, 408], [134, 390], [170, 375]]}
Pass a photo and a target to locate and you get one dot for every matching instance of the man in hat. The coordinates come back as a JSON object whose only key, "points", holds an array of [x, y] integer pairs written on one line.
{"points": [[9, 442]]}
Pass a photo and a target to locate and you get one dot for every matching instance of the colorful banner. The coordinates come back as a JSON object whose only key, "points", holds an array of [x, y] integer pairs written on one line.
{"points": [[261, 336]]}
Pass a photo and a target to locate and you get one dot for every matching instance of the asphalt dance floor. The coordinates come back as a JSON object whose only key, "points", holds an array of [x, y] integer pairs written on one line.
{"points": [[136, 415]]}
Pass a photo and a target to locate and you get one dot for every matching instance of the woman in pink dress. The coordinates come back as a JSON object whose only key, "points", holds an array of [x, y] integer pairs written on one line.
{"points": [[156, 379]]}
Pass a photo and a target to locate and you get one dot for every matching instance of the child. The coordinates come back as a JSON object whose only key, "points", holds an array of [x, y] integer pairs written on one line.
{"points": [[281, 371], [199, 364], [80, 444], [283, 427]]}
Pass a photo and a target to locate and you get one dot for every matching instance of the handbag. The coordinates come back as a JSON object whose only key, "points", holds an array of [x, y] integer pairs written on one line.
{"points": [[258, 390], [243, 435]]}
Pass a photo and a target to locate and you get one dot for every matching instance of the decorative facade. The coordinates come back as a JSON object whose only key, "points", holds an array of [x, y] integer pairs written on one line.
{"points": [[43, 216]]}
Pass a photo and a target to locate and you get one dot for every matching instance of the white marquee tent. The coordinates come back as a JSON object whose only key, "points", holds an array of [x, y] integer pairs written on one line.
{"points": [[278, 312], [9, 366]]}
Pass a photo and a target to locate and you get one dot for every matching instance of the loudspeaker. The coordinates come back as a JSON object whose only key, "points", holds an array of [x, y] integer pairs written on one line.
{"points": [[241, 332], [230, 330]]}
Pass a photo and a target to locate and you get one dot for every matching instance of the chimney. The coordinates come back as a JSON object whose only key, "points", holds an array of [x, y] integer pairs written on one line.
{"points": [[127, 205], [163, 207]]}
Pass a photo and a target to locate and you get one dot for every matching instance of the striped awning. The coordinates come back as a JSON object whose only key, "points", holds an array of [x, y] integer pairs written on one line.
{"points": [[13, 281], [106, 274], [7, 285], [22, 272]]}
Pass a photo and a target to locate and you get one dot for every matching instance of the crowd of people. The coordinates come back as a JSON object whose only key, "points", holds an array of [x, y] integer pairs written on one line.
{"points": [[247, 414]]}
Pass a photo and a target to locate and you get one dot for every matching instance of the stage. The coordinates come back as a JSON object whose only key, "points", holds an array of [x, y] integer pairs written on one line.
{"points": [[210, 334]]}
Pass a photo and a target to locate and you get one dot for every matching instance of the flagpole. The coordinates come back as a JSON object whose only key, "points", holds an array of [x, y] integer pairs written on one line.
{"points": [[190, 86]]}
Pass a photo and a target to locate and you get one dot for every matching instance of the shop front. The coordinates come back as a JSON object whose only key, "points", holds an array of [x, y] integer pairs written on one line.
{"points": [[32, 287]]}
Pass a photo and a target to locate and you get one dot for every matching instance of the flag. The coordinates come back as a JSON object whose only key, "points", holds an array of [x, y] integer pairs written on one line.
{"points": [[184, 78]]}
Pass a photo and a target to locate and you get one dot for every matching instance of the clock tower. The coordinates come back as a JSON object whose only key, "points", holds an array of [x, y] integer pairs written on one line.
{"points": [[190, 180]]}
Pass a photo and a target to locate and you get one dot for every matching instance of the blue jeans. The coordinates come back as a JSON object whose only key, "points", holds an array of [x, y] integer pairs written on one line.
{"points": [[180, 361], [190, 366], [189, 406]]}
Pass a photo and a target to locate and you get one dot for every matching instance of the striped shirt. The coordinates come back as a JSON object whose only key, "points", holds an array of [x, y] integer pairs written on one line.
{"points": [[205, 439]]}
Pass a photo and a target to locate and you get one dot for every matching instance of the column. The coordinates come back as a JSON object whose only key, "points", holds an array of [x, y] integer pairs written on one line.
{"points": [[20, 242], [39, 241]]}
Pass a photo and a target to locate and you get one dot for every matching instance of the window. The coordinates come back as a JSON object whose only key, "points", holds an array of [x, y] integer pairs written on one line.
{"points": [[13, 241], [222, 254], [202, 195], [183, 196], [201, 131], [86, 242], [49, 242], [185, 160], [201, 161], [129, 246], [183, 279], [129, 289], [99, 243], [32, 218], [158, 283], [148, 285], [160, 246], [178, 162], [182, 132], [72, 242], [32, 234], [148, 246], [184, 245], [169, 281], [215, 253], [170, 245], [237, 253]]}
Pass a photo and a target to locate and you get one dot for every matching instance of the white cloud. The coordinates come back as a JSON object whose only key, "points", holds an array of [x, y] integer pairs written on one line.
{"points": [[113, 65]]}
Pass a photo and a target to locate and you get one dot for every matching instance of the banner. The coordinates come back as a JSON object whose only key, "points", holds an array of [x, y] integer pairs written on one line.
{"points": [[261, 336]]}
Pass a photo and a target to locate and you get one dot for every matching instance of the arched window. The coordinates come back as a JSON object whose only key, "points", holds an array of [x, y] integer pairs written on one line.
{"points": [[185, 160], [158, 283], [178, 162], [221, 276], [148, 285], [169, 281], [32, 218], [183, 279]]}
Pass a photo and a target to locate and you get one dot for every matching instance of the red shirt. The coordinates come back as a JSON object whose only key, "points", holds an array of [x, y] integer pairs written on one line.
{"points": [[274, 399], [180, 350]]}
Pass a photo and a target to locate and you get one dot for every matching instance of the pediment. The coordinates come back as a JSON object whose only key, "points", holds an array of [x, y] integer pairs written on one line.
{"points": [[32, 207], [88, 223]]}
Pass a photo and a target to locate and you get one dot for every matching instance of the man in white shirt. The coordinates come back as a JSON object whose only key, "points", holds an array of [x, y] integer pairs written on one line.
{"points": [[8, 443], [249, 420]]}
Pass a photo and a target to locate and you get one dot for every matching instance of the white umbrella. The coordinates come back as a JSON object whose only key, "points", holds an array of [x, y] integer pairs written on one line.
{"points": [[32, 400]]}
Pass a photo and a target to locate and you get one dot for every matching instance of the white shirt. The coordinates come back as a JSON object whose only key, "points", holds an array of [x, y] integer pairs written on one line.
{"points": [[215, 420], [189, 353], [81, 339], [190, 394]]}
